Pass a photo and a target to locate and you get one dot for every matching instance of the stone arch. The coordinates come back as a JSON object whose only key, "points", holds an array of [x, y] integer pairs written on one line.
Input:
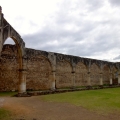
{"points": [[106, 75], [39, 70], [97, 65], [63, 74], [20, 45], [80, 74], [95, 74], [8, 31]]}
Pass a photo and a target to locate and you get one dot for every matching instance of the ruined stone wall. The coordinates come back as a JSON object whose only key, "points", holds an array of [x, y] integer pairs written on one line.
{"points": [[38, 70], [9, 74], [95, 74], [38, 73], [81, 75], [63, 74], [69, 70]]}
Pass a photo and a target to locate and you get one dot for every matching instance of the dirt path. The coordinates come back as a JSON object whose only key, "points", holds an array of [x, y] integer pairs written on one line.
{"points": [[33, 108]]}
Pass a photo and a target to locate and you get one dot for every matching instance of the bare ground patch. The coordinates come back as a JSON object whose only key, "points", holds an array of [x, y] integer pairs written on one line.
{"points": [[33, 108]]}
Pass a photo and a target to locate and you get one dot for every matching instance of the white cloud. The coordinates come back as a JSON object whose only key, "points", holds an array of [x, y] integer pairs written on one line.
{"points": [[88, 28]]}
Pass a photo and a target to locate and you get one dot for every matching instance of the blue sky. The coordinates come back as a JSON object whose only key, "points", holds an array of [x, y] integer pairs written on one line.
{"points": [[86, 28]]}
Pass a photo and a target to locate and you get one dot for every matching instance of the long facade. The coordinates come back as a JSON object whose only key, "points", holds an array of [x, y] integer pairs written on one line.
{"points": [[48, 70], [24, 69]]}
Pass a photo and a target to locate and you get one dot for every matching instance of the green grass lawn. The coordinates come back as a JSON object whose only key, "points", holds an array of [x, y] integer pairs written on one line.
{"points": [[104, 100], [5, 94]]}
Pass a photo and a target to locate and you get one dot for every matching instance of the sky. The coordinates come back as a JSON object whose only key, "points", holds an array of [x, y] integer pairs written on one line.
{"points": [[85, 28]]}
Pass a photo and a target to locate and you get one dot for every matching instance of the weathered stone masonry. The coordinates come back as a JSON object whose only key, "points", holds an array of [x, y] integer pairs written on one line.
{"points": [[23, 68], [47, 70]]}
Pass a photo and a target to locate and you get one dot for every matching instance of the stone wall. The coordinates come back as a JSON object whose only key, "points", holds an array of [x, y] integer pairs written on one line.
{"points": [[63, 74], [81, 74], [106, 74], [38, 73], [9, 74], [95, 74], [70, 71]]}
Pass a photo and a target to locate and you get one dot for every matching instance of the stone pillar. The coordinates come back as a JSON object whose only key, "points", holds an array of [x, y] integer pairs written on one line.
{"points": [[89, 80], [101, 79], [52, 59], [73, 74], [111, 82], [22, 81], [53, 80]]}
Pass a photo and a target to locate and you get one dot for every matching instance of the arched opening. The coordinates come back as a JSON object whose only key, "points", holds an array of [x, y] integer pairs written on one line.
{"points": [[19, 45], [9, 41], [80, 75], [38, 73], [7, 31], [63, 74], [95, 74], [106, 75], [9, 66]]}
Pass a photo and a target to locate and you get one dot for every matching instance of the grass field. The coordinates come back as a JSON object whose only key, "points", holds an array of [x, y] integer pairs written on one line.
{"points": [[5, 94], [104, 100]]}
